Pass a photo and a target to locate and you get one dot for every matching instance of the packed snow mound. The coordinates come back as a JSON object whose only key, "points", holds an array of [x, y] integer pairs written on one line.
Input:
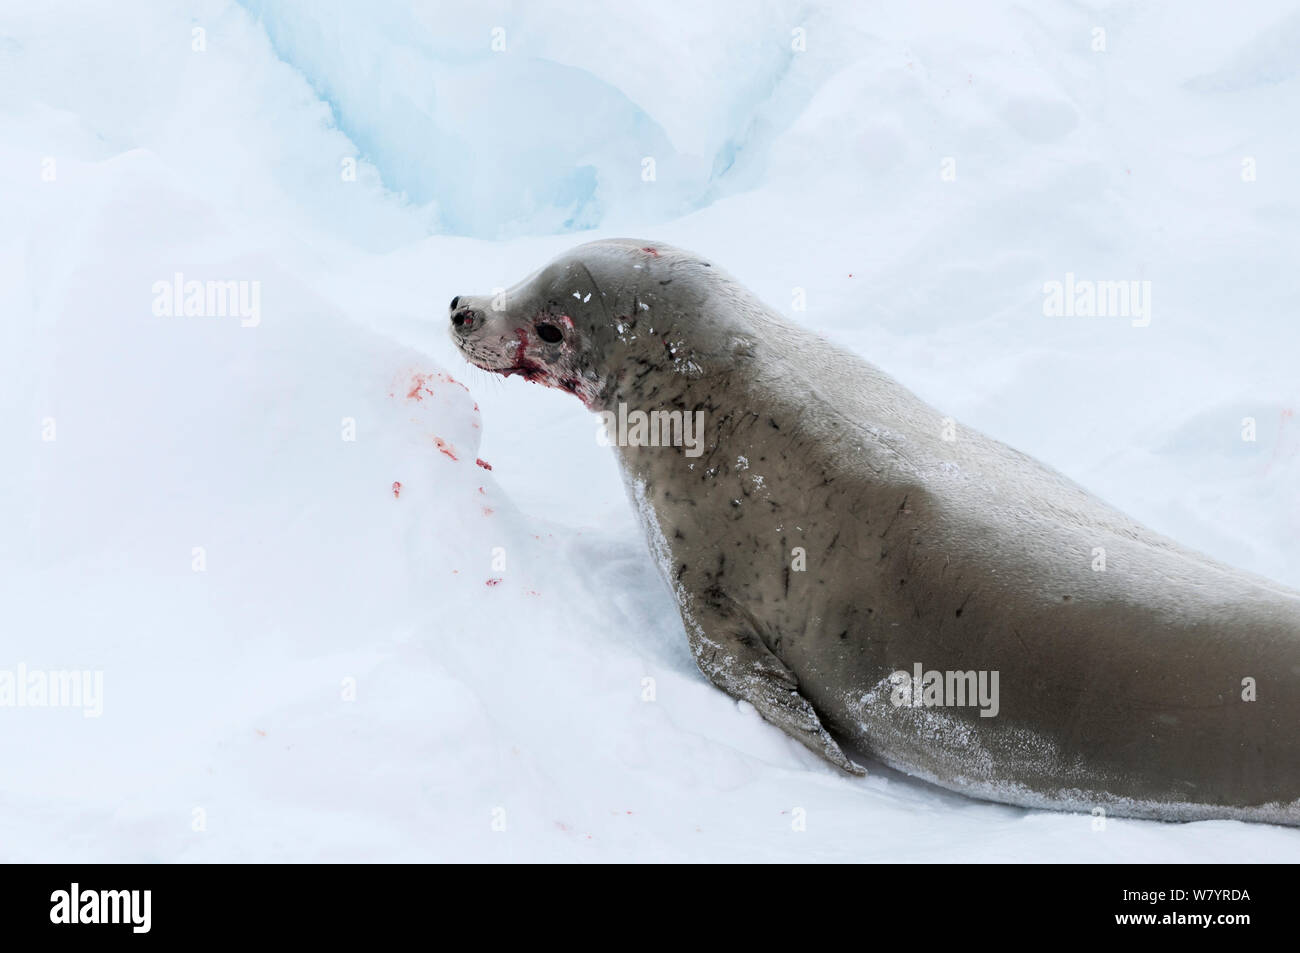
{"points": [[247, 476]]}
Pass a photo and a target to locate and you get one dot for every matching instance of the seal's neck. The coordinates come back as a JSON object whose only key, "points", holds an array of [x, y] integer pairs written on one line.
{"points": [[666, 358]]}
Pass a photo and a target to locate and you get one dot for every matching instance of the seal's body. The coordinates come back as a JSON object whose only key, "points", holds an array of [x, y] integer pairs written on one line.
{"points": [[845, 558]]}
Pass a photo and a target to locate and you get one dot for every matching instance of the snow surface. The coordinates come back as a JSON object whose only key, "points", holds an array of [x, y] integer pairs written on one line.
{"points": [[521, 703]]}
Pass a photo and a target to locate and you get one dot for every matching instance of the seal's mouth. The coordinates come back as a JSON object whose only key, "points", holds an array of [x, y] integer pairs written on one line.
{"points": [[521, 364], [527, 372], [528, 368], [524, 365]]}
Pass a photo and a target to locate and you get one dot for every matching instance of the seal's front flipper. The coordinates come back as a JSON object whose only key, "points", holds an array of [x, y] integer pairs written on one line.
{"points": [[779, 701], [740, 664]]}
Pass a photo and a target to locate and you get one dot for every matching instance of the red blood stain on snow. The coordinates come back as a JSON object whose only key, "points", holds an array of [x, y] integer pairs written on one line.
{"points": [[448, 379], [492, 582], [419, 387], [531, 592], [397, 489], [488, 511], [480, 489], [445, 447], [483, 463], [652, 252]]}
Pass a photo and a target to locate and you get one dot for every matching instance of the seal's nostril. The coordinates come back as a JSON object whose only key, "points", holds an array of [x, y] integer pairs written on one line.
{"points": [[458, 318], [454, 302], [463, 319]]}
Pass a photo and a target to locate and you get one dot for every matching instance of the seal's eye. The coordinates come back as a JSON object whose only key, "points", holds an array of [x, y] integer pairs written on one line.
{"points": [[549, 333]]}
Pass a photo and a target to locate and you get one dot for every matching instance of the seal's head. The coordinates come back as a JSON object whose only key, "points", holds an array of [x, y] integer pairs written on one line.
{"points": [[595, 320]]}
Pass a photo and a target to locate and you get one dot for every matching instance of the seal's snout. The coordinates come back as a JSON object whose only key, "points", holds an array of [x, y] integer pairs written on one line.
{"points": [[463, 320]]}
